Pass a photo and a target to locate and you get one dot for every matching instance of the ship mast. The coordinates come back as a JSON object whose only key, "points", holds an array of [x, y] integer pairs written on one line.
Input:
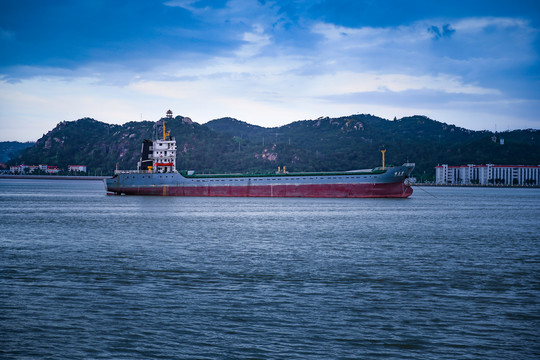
{"points": [[383, 151], [165, 133], [168, 116]]}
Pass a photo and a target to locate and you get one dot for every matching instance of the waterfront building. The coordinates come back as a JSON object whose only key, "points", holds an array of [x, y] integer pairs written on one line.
{"points": [[488, 174], [29, 169], [52, 170], [23, 169], [15, 169], [81, 168]]}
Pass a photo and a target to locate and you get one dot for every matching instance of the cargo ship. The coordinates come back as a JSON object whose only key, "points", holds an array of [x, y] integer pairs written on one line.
{"points": [[156, 174]]}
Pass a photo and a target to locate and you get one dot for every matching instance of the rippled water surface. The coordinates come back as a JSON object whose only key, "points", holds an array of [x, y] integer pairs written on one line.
{"points": [[450, 273]]}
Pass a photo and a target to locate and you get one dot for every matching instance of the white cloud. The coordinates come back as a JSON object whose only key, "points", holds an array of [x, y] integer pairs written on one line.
{"points": [[185, 4], [480, 23], [344, 37], [494, 41], [347, 82], [256, 41]]}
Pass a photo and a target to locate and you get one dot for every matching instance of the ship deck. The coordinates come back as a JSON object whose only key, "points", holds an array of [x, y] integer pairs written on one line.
{"points": [[186, 174]]}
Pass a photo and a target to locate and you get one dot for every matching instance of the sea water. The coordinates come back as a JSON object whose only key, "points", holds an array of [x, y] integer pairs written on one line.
{"points": [[450, 273]]}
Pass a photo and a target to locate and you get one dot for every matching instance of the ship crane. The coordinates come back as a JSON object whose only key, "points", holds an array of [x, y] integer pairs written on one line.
{"points": [[165, 133]]}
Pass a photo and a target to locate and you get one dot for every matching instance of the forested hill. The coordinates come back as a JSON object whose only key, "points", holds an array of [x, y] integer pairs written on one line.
{"points": [[354, 142], [324, 144], [10, 149]]}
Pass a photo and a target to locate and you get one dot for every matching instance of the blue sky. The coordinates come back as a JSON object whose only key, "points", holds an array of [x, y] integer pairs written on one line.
{"points": [[470, 63]]}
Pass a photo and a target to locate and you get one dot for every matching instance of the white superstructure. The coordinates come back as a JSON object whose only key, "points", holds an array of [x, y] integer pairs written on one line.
{"points": [[164, 155], [157, 156]]}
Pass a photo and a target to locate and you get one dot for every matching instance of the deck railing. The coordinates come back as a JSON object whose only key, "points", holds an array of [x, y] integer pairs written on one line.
{"points": [[132, 172]]}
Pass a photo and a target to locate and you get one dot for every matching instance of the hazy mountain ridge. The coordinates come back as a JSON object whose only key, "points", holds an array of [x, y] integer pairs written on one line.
{"points": [[9, 149], [230, 145]]}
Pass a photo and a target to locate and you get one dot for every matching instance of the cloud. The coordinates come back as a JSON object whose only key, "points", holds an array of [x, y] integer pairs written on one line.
{"points": [[483, 51], [255, 41], [73, 35], [197, 5], [186, 4], [441, 32]]}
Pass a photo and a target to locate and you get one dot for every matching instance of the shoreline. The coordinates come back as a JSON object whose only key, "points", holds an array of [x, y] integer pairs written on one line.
{"points": [[479, 185], [101, 178], [55, 177]]}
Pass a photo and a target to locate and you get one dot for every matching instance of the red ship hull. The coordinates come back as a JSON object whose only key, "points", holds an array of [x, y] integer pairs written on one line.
{"points": [[380, 190]]}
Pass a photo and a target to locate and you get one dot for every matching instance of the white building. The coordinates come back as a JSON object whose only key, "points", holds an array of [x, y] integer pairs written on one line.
{"points": [[29, 169], [81, 168], [488, 174], [23, 169], [53, 169], [17, 169]]}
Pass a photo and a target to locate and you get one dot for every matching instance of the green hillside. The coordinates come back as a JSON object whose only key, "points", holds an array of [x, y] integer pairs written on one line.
{"points": [[354, 142], [324, 144]]}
